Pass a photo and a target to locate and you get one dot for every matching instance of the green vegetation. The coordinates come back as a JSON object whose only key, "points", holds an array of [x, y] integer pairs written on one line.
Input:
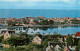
{"points": [[17, 40], [75, 21], [23, 42], [70, 40], [78, 46], [44, 22], [24, 21], [10, 23], [1, 38]]}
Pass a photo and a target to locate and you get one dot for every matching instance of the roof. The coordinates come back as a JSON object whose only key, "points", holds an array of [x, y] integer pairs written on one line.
{"points": [[40, 16], [66, 37], [71, 18], [77, 34], [51, 19], [66, 17], [19, 21], [0, 18]]}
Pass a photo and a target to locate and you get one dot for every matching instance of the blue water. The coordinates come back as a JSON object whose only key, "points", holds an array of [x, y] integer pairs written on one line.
{"points": [[59, 30], [48, 13]]}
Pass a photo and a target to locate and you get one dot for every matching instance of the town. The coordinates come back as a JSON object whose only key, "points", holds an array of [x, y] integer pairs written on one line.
{"points": [[9, 41], [28, 21], [12, 39]]}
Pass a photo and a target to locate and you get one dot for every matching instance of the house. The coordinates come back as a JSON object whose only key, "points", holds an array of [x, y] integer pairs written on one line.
{"points": [[52, 20], [56, 46], [77, 35], [41, 17], [56, 43], [70, 19], [66, 48], [66, 37], [38, 39], [7, 33], [78, 19], [48, 48], [31, 21], [66, 18]]}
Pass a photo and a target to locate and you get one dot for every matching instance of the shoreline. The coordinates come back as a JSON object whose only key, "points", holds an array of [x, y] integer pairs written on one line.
{"points": [[45, 26], [52, 26]]}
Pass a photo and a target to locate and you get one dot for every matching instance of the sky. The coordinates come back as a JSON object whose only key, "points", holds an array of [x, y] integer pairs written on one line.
{"points": [[39, 4]]}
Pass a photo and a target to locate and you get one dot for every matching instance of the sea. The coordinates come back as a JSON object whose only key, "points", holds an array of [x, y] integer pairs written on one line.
{"points": [[48, 13]]}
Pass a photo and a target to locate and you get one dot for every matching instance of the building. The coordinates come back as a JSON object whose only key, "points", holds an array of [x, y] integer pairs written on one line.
{"points": [[66, 48], [55, 46], [38, 39], [7, 33], [77, 35]]}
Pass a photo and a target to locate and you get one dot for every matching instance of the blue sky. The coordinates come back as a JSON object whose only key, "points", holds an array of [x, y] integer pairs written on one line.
{"points": [[39, 4]]}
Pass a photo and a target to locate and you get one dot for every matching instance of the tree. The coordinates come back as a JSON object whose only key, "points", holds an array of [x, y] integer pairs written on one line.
{"points": [[33, 47], [75, 21], [24, 21], [14, 23], [45, 43], [5, 41], [78, 46], [23, 34], [51, 22], [36, 21], [10, 23], [1, 38], [70, 40], [17, 40], [44, 22]]}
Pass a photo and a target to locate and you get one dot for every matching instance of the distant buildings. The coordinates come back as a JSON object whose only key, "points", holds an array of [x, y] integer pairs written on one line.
{"points": [[30, 20]]}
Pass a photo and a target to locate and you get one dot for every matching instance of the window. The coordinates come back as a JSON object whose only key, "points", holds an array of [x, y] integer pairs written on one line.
{"points": [[6, 34], [36, 38]]}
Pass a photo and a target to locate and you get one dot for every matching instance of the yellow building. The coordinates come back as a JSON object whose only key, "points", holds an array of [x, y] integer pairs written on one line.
{"points": [[7, 33], [37, 39]]}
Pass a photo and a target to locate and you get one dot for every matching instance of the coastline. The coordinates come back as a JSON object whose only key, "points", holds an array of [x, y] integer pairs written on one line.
{"points": [[52, 26]]}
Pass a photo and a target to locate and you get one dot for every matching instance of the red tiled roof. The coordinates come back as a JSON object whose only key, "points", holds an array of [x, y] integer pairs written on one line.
{"points": [[6, 20], [78, 18], [77, 34], [41, 16], [50, 19], [66, 37], [0, 18], [66, 17], [19, 21], [62, 20], [71, 18], [12, 20]]}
